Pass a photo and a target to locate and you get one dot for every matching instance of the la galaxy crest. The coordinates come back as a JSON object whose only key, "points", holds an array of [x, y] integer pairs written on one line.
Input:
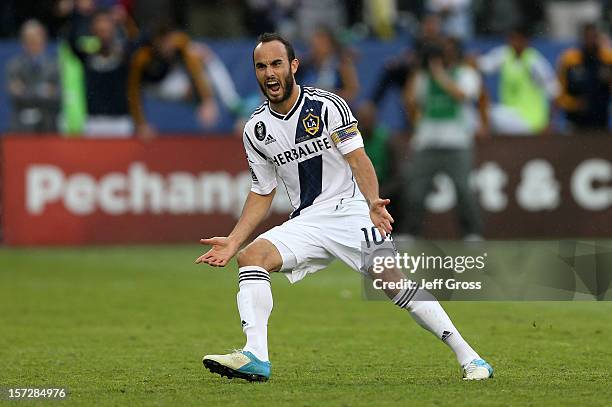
{"points": [[311, 123], [260, 131]]}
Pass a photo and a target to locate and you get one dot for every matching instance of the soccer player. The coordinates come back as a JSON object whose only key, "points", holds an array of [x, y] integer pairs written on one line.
{"points": [[309, 139]]}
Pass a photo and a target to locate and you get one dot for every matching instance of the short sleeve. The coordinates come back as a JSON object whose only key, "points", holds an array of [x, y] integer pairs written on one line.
{"points": [[492, 61], [263, 174], [342, 125]]}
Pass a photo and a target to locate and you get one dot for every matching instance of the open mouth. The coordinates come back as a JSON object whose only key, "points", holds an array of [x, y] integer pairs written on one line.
{"points": [[273, 86]]}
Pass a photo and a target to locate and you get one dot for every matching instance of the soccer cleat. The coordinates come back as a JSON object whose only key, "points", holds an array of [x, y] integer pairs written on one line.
{"points": [[241, 364], [477, 369]]}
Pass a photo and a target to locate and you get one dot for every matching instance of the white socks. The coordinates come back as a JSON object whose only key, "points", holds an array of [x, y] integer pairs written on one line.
{"points": [[255, 305], [428, 313]]}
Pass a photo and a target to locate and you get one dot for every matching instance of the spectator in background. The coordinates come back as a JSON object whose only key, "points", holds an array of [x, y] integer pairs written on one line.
{"points": [[176, 12], [440, 101], [497, 17], [329, 66], [105, 57], [77, 15], [527, 83], [165, 54], [456, 17], [380, 15], [33, 83], [312, 14], [397, 71], [266, 16], [585, 74]]}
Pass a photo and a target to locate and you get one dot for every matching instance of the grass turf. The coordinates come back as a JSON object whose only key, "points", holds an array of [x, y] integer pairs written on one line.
{"points": [[129, 325]]}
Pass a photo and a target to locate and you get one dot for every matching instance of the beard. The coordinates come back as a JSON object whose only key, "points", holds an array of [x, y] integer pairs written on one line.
{"points": [[286, 84]]}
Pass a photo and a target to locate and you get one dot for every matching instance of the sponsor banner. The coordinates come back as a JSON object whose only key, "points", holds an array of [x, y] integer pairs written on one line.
{"points": [[533, 187], [174, 189]]}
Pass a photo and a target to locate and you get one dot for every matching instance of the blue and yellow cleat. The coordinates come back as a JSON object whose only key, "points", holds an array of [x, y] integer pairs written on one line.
{"points": [[477, 369], [241, 364]]}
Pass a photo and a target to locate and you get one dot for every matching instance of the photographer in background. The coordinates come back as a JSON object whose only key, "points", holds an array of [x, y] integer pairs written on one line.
{"points": [[169, 53], [440, 99], [330, 66]]}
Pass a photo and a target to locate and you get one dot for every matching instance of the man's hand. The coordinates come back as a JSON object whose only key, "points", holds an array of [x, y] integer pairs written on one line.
{"points": [[223, 249], [381, 217]]}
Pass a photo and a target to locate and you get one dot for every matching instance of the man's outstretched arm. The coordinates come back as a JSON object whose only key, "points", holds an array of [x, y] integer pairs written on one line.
{"points": [[364, 173], [223, 249]]}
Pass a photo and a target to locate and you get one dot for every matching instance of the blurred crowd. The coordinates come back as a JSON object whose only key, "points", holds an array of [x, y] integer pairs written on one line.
{"points": [[111, 51], [106, 60]]}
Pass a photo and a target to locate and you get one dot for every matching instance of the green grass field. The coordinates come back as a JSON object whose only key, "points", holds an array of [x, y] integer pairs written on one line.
{"points": [[129, 325]]}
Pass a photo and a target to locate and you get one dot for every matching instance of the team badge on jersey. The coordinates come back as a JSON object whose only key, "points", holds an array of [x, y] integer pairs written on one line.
{"points": [[311, 124], [260, 131]]}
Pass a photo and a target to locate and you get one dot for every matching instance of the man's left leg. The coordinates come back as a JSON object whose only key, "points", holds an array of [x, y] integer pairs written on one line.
{"points": [[354, 240], [429, 314]]}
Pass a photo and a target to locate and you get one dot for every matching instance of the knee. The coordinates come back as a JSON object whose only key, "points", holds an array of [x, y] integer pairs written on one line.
{"points": [[260, 253], [247, 257], [252, 255]]}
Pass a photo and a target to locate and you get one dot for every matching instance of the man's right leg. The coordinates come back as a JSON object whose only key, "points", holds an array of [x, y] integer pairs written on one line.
{"points": [[255, 263]]}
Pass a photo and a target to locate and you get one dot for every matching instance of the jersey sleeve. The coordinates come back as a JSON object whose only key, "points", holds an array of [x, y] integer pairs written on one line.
{"points": [[263, 174], [342, 125], [492, 61]]}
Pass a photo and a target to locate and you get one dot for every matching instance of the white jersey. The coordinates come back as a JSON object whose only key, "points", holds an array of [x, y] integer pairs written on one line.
{"points": [[304, 149]]}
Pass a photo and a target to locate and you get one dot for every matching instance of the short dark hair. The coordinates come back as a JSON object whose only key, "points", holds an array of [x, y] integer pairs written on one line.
{"points": [[269, 37]]}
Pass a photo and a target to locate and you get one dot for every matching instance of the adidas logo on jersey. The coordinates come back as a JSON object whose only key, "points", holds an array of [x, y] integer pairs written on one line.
{"points": [[269, 139]]}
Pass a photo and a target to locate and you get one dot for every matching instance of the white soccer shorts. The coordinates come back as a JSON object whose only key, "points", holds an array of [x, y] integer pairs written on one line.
{"points": [[312, 240]]}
